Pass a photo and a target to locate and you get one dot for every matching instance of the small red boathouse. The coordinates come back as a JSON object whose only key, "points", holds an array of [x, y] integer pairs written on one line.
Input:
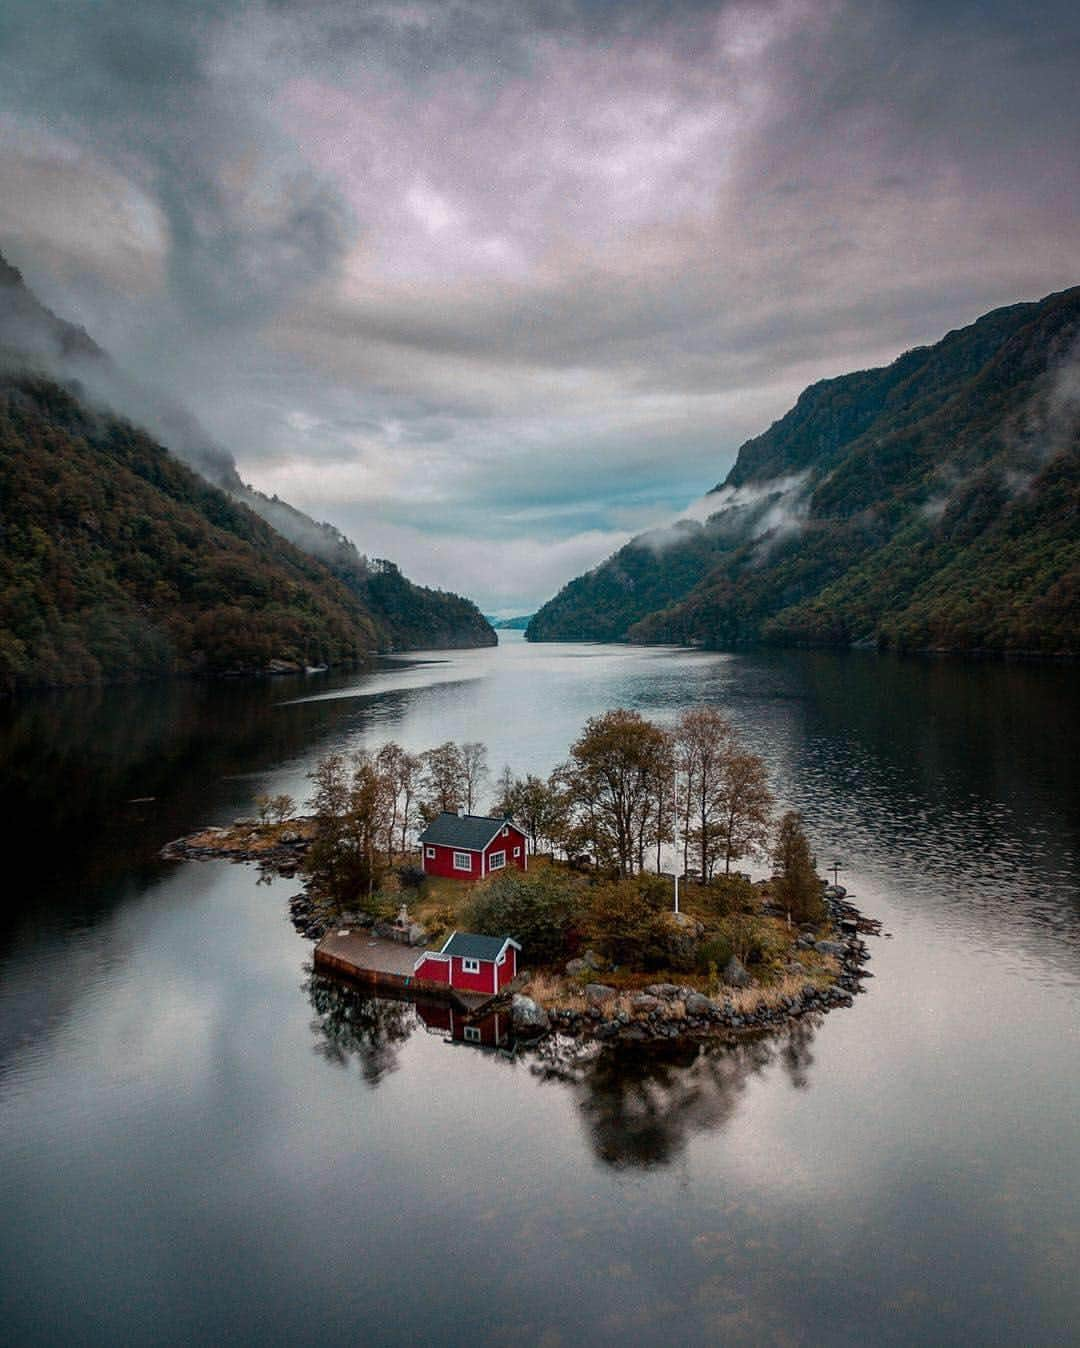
{"points": [[471, 846], [470, 963]]}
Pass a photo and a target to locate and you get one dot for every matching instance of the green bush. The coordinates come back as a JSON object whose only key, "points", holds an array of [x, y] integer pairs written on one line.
{"points": [[537, 910], [628, 921], [716, 951], [726, 894]]}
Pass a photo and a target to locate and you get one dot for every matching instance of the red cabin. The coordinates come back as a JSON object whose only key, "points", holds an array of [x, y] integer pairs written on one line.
{"points": [[472, 846], [471, 963]]}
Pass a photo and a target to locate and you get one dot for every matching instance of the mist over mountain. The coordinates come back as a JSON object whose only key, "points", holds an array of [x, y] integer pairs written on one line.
{"points": [[33, 337], [930, 504], [121, 558], [411, 616]]}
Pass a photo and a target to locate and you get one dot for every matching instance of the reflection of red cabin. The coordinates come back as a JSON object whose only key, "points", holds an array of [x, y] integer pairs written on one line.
{"points": [[470, 963], [490, 1031], [471, 846]]}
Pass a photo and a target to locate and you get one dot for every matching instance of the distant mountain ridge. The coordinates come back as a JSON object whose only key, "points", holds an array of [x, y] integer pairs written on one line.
{"points": [[930, 504], [119, 561], [409, 616]]}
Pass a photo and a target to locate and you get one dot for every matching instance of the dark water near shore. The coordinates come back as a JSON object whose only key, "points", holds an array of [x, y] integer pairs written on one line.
{"points": [[198, 1143]]}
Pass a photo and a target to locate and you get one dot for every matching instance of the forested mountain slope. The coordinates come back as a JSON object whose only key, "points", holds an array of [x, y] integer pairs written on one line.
{"points": [[409, 616], [118, 561], [934, 503]]}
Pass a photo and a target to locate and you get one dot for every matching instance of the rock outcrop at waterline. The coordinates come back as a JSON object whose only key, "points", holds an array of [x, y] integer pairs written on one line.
{"points": [[659, 1011]]}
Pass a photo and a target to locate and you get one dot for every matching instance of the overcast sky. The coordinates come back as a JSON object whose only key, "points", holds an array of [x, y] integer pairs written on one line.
{"points": [[493, 285]]}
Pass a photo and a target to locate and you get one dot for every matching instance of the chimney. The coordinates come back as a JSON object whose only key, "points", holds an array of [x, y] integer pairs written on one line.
{"points": [[461, 812]]}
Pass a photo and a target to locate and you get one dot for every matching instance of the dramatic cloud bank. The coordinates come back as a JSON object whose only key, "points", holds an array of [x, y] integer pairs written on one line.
{"points": [[492, 286]]}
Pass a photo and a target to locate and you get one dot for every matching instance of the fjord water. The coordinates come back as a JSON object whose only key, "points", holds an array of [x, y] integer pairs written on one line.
{"points": [[199, 1144]]}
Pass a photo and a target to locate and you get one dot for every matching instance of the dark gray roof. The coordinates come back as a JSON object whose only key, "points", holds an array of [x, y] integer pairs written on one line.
{"points": [[472, 947], [473, 832]]}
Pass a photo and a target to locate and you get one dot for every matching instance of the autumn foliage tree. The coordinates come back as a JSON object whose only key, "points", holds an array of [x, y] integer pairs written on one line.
{"points": [[352, 800], [538, 807], [703, 742], [726, 809], [745, 807], [402, 772], [617, 771], [474, 772], [442, 780]]}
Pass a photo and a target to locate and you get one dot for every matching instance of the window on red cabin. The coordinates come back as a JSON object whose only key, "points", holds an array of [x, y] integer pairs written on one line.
{"points": [[496, 860], [429, 851], [470, 966], [462, 861], [517, 851]]}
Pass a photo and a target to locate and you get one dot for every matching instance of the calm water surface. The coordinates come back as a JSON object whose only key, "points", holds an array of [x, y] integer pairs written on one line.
{"points": [[200, 1144]]}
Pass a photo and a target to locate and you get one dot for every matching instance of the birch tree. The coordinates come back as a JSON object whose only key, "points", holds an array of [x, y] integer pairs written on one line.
{"points": [[614, 777]]}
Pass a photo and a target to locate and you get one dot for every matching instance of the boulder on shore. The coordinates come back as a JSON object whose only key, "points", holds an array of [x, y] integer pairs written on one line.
{"points": [[596, 994], [734, 974], [697, 1004], [528, 1017]]}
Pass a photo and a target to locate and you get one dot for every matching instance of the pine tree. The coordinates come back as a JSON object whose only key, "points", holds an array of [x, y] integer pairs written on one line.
{"points": [[798, 886]]}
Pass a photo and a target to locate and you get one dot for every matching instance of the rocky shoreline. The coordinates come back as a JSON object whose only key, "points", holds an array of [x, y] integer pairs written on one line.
{"points": [[658, 1012], [667, 1011], [280, 849]]}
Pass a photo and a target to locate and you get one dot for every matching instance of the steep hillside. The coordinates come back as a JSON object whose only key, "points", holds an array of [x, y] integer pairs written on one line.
{"points": [[933, 503], [409, 616], [118, 562]]}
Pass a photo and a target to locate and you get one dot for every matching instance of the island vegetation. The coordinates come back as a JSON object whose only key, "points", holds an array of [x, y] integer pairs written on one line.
{"points": [[595, 911]]}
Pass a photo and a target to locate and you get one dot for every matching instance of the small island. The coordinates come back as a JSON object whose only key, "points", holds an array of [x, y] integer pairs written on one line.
{"points": [[602, 945]]}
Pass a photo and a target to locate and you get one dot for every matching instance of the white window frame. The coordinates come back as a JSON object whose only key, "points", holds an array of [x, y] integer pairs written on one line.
{"points": [[469, 966], [471, 1034], [506, 831], [517, 851], [497, 860], [462, 861], [429, 851]]}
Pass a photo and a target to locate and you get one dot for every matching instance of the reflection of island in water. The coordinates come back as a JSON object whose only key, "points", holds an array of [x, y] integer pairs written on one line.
{"points": [[350, 1025], [641, 1104]]}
